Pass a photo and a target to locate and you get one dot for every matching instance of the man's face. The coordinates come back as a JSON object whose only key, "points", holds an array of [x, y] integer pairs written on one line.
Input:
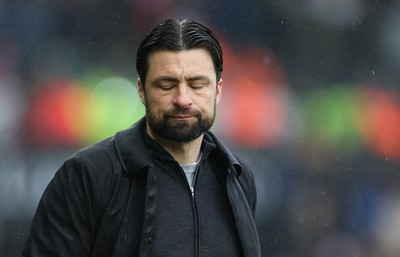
{"points": [[180, 94]]}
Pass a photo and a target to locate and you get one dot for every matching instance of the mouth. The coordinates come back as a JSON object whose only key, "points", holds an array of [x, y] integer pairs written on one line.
{"points": [[181, 116]]}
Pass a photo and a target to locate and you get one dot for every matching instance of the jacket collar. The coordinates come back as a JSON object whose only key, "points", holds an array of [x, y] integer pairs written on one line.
{"points": [[131, 148], [224, 153], [134, 155]]}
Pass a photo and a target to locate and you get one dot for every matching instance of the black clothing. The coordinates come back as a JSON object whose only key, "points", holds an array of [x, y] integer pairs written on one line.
{"points": [[106, 200], [187, 225]]}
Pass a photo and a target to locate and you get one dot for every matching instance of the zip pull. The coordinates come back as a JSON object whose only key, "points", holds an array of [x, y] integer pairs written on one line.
{"points": [[192, 190]]}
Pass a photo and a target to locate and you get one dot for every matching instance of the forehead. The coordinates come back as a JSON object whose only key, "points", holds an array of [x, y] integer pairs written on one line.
{"points": [[189, 62]]}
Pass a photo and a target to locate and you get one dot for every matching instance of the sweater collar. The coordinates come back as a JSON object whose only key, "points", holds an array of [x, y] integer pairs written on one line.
{"points": [[133, 146]]}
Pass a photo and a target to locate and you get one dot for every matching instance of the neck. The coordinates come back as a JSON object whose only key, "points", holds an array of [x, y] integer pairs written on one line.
{"points": [[183, 153]]}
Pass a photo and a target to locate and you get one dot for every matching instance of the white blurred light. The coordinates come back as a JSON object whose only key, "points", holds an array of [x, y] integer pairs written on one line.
{"points": [[11, 106], [390, 37], [336, 12]]}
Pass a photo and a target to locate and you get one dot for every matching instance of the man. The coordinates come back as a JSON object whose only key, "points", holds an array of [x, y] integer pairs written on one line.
{"points": [[165, 186]]}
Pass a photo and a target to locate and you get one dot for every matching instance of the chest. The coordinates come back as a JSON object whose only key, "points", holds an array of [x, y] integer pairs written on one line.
{"points": [[193, 225]]}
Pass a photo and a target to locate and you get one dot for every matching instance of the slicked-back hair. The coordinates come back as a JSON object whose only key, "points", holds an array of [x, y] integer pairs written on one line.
{"points": [[175, 35]]}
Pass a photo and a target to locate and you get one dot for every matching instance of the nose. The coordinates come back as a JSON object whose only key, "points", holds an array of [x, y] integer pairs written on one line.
{"points": [[182, 97]]}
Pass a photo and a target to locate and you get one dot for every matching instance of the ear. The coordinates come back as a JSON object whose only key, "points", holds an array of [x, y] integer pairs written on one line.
{"points": [[141, 91], [219, 91]]}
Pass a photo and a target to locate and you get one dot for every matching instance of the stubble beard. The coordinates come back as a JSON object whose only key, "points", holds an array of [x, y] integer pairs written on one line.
{"points": [[179, 131]]}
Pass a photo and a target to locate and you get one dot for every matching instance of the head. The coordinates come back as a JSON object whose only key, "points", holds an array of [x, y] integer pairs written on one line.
{"points": [[179, 66], [175, 35]]}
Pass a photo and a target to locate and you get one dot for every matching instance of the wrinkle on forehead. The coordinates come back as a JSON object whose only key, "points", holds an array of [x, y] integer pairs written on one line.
{"points": [[182, 64]]}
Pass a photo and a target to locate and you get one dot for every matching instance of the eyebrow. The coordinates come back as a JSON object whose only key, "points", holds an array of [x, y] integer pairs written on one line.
{"points": [[198, 77], [165, 78]]}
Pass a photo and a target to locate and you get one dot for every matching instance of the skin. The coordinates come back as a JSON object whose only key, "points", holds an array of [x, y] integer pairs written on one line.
{"points": [[180, 86]]}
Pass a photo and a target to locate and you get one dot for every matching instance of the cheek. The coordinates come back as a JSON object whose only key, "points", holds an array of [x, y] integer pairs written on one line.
{"points": [[209, 104], [157, 105]]}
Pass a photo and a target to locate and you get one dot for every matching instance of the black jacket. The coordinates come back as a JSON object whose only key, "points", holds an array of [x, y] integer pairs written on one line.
{"points": [[102, 201]]}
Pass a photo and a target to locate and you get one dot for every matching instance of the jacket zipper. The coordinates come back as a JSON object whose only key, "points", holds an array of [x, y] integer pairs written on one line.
{"points": [[192, 190], [194, 180], [196, 230]]}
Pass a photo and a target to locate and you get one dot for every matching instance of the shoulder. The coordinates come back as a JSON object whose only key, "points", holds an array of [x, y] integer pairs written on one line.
{"points": [[95, 167], [229, 158], [89, 163], [246, 176], [243, 172], [247, 183], [100, 155], [121, 155], [91, 173]]}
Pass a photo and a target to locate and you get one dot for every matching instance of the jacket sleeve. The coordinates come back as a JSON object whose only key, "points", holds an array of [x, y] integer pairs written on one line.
{"points": [[242, 194], [65, 221]]}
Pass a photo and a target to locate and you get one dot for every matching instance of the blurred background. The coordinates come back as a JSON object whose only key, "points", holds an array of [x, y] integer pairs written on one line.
{"points": [[311, 101]]}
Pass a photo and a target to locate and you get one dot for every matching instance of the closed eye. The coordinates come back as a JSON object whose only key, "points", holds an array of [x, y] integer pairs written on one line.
{"points": [[165, 83], [198, 85], [166, 87], [198, 82]]}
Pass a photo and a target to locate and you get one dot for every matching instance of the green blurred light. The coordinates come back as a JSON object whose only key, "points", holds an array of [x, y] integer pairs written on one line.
{"points": [[114, 105], [329, 118]]}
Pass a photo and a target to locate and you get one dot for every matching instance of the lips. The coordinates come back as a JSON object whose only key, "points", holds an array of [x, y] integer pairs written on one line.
{"points": [[182, 114], [181, 117]]}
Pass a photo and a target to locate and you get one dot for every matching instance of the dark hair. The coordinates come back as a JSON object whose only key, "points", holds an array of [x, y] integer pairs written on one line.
{"points": [[178, 35]]}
